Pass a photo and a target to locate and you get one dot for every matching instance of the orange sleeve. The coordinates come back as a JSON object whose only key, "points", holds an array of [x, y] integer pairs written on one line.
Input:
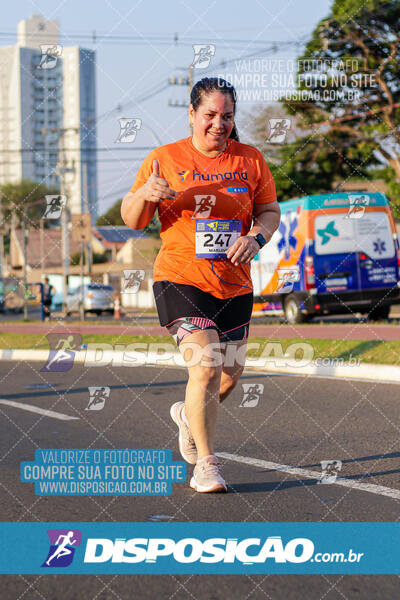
{"points": [[145, 170], [265, 191]]}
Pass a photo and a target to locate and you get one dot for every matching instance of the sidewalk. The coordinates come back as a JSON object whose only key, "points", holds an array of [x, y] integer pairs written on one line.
{"points": [[114, 359]]}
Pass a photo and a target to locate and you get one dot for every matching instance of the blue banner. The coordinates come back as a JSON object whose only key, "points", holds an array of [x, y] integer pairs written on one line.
{"points": [[204, 548], [80, 472]]}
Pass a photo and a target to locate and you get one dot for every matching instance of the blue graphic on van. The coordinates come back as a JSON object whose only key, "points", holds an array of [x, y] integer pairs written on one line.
{"points": [[379, 246], [328, 232], [287, 227]]}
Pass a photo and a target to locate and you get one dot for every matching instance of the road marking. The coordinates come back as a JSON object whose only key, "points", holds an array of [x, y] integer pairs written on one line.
{"points": [[40, 411], [350, 483]]}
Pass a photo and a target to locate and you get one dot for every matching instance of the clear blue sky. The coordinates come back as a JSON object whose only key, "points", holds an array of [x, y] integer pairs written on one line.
{"points": [[129, 70]]}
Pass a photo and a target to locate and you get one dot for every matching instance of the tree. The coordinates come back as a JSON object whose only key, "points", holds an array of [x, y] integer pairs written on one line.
{"points": [[112, 216], [23, 198], [26, 197], [347, 101]]}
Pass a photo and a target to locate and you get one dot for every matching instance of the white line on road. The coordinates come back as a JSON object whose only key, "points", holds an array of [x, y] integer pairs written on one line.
{"points": [[40, 411], [350, 483]]}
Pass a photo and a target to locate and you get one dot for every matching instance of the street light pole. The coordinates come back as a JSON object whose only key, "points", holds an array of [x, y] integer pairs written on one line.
{"points": [[25, 236], [62, 169], [1, 240]]}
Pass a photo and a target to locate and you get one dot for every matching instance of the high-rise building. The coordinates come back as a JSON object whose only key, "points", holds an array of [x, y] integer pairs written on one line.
{"points": [[48, 113]]}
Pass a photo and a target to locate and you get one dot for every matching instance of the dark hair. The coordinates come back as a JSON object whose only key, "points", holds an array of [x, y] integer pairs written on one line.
{"points": [[214, 84]]}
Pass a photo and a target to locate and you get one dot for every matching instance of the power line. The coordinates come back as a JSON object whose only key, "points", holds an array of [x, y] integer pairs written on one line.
{"points": [[125, 38]]}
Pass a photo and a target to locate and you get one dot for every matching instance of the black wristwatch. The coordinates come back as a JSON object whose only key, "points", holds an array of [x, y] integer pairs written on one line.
{"points": [[260, 239]]}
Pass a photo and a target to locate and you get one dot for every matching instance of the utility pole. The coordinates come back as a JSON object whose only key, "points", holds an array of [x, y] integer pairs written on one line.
{"points": [[65, 215], [88, 245], [64, 218], [25, 280], [1, 239]]}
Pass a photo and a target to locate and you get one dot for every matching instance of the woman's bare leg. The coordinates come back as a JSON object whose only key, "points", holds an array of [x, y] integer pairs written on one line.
{"points": [[202, 390]]}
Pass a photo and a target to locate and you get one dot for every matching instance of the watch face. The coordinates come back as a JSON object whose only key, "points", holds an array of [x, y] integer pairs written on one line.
{"points": [[260, 239]]}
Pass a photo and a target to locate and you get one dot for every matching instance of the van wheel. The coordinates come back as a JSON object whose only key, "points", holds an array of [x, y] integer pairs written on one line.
{"points": [[292, 310], [379, 313]]}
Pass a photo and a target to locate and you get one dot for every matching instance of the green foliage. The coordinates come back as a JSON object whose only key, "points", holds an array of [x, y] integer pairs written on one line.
{"points": [[97, 258], [26, 197], [112, 216], [347, 122], [153, 228]]}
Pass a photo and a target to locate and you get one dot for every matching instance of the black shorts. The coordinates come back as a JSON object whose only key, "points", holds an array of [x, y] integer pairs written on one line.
{"points": [[185, 308]]}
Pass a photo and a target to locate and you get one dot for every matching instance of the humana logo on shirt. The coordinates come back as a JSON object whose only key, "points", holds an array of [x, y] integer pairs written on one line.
{"points": [[241, 175]]}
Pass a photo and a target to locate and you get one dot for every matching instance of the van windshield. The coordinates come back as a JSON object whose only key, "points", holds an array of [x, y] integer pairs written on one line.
{"points": [[340, 234]]}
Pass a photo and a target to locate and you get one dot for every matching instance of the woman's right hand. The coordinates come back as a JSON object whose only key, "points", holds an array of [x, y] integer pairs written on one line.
{"points": [[156, 188]]}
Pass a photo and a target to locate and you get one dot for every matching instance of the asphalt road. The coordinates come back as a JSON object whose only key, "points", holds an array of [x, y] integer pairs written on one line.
{"points": [[298, 421]]}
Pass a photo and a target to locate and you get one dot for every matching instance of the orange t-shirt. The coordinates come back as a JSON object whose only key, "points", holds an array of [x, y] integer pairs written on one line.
{"points": [[235, 180]]}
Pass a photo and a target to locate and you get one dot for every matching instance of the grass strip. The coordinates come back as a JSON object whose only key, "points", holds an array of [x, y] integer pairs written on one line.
{"points": [[374, 351]]}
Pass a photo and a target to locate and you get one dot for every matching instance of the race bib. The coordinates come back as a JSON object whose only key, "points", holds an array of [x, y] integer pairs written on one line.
{"points": [[214, 236]]}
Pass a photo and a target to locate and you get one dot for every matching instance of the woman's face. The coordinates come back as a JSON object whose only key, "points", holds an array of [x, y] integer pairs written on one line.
{"points": [[212, 121]]}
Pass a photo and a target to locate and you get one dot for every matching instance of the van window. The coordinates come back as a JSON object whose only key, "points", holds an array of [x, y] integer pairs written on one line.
{"points": [[339, 234]]}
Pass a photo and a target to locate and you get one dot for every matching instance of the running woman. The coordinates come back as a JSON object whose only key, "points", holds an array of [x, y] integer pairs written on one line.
{"points": [[217, 206]]}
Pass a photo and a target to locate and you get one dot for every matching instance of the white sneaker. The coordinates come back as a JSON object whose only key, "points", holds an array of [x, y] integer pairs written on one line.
{"points": [[206, 476], [187, 446]]}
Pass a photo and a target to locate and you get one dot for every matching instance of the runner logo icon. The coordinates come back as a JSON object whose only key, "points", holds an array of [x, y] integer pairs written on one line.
{"points": [[62, 352], [63, 543], [204, 204]]}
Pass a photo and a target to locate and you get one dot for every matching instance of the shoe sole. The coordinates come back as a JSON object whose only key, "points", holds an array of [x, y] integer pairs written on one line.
{"points": [[217, 488], [175, 420]]}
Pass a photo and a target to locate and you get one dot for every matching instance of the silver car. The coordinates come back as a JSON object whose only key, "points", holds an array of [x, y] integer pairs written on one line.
{"points": [[97, 298]]}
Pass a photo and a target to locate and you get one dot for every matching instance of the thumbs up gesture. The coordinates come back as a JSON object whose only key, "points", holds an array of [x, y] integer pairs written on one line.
{"points": [[156, 187]]}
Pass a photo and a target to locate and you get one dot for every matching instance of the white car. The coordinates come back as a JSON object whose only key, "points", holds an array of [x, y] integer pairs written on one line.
{"points": [[97, 298]]}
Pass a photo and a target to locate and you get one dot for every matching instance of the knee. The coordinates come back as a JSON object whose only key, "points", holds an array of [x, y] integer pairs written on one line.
{"points": [[207, 376]]}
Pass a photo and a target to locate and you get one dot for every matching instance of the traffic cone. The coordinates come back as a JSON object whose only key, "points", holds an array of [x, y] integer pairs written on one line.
{"points": [[117, 308]]}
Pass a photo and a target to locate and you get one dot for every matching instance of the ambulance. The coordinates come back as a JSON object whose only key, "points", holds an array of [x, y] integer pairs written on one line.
{"points": [[334, 253]]}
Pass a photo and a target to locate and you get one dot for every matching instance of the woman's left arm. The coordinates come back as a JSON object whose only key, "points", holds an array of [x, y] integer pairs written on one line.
{"points": [[266, 221]]}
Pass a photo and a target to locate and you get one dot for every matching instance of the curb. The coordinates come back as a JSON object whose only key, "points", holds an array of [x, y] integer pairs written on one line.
{"points": [[90, 358]]}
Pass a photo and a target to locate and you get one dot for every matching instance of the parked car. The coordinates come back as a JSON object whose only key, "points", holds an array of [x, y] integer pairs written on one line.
{"points": [[97, 298], [333, 253], [11, 295]]}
